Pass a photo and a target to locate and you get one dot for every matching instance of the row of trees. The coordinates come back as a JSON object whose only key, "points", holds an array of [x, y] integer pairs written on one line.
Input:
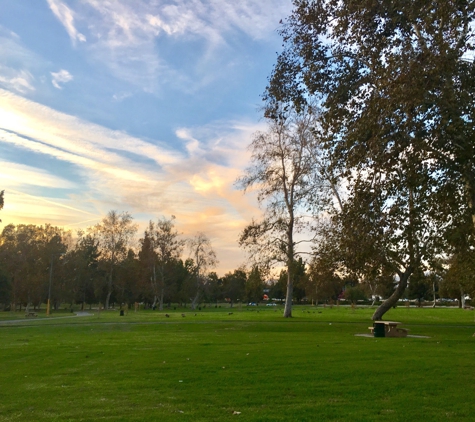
{"points": [[103, 264], [370, 151], [100, 265]]}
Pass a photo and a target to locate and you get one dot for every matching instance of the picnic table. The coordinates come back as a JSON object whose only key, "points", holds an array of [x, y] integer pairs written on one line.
{"points": [[31, 315], [390, 329]]}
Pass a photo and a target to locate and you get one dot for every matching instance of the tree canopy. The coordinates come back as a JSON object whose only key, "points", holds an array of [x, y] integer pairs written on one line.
{"points": [[114, 234], [396, 87]]}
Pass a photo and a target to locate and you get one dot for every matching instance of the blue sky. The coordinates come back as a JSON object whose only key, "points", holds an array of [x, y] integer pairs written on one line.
{"points": [[134, 105]]}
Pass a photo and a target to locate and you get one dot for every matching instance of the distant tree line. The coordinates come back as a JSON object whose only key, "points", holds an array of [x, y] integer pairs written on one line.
{"points": [[105, 264], [101, 265]]}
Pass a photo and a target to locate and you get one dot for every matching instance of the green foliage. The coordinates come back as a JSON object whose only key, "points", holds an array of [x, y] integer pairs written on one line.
{"points": [[354, 294], [420, 286], [81, 269], [324, 280], [114, 234], [279, 286], [234, 285], [459, 279], [5, 288], [84, 268], [26, 255], [255, 285], [161, 247], [300, 284]]}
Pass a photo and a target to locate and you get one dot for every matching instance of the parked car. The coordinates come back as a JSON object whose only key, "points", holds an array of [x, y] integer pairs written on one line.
{"points": [[271, 304]]}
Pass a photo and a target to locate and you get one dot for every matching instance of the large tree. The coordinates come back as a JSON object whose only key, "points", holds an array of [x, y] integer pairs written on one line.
{"points": [[458, 279], [255, 284], [234, 285], [82, 268], [26, 256], [114, 234], [161, 248], [203, 258], [289, 184], [397, 94]]}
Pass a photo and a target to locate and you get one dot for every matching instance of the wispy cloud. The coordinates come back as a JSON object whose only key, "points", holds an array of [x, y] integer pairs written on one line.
{"points": [[61, 77], [23, 208], [18, 64], [125, 36], [66, 16], [121, 96], [16, 80], [19, 175]]}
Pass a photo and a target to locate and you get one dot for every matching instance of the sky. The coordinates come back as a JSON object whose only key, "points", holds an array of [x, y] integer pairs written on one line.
{"points": [[144, 106]]}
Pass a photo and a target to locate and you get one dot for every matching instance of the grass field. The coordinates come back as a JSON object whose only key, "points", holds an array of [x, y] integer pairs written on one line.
{"points": [[209, 366]]}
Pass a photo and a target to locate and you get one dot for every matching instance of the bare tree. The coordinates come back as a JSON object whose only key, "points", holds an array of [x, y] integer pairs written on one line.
{"points": [[287, 174], [204, 258], [114, 234]]}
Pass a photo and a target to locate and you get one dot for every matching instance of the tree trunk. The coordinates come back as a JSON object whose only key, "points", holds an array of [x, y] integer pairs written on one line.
{"points": [[392, 300], [153, 282], [290, 266], [160, 303], [162, 288], [195, 301], [107, 300], [288, 296], [109, 288]]}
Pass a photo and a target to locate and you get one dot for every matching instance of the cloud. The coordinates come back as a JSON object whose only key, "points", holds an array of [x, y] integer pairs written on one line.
{"points": [[23, 208], [121, 96], [18, 64], [134, 38], [8, 33], [61, 77], [66, 16], [106, 170], [16, 80], [19, 175]]}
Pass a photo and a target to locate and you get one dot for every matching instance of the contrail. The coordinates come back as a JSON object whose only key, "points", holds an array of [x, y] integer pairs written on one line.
{"points": [[51, 202], [85, 221]]}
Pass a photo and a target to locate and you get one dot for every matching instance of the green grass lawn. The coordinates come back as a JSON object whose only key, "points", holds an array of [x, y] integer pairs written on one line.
{"points": [[204, 367]]}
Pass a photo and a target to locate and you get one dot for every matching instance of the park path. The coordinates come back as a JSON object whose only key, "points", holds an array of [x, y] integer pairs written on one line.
{"points": [[16, 321]]}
